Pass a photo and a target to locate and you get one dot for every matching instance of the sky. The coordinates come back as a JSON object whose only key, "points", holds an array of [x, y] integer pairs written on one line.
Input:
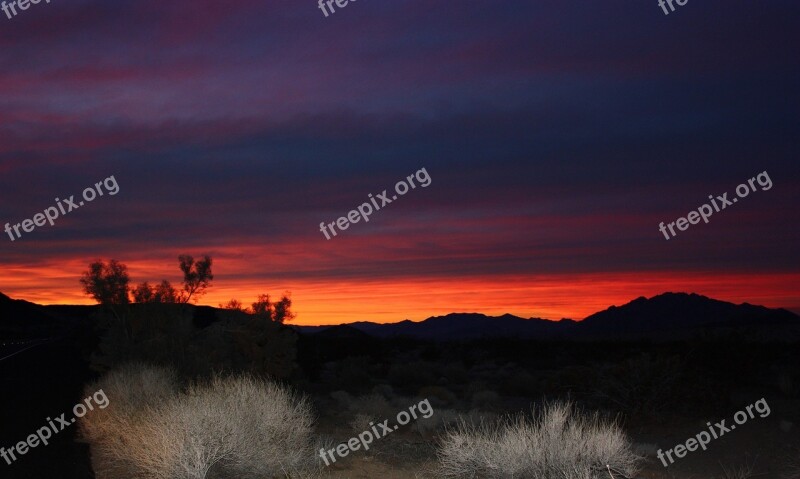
{"points": [[556, 134]]}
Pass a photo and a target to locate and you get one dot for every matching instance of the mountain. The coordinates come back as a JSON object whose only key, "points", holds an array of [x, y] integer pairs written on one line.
{"points": [[462, 326], [343, 331], [669, 316], [21, 319], [681, 315]]}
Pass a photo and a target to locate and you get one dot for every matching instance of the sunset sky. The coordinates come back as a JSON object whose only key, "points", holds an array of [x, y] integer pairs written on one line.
{"points": [[557, 134]]}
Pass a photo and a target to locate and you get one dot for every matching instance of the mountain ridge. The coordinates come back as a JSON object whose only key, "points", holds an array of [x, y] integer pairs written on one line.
{"points": [[665, 316]]}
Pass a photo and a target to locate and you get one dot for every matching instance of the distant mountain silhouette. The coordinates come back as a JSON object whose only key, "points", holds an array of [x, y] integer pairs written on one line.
{"points": [[681, 315], [664, 317], [343, 331], [668, 316], [23, 319], [460, 326]]}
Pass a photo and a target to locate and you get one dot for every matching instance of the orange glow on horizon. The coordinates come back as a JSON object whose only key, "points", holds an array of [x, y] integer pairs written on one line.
{"points": [[342, 301]]}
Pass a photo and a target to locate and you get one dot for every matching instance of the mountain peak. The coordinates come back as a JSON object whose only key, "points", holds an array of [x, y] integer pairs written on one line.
{"points": [[668, 312]]}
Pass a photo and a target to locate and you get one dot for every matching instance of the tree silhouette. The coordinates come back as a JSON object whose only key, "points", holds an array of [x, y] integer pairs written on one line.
{"points": [[142, 293], [107, 283], [283, 310], [278, 312], [165, 293], [160, 293], [263, 308], [233, 304], [197, 276]]}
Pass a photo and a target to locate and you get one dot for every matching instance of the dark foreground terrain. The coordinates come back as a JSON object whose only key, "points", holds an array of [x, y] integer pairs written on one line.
{"points": [[662, 392]]}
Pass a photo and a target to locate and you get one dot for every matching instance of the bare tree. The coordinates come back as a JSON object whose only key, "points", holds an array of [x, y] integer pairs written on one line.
{"points": [[197, 276]]}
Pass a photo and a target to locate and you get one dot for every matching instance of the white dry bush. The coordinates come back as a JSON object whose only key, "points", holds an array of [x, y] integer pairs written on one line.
{"points": [[793, 467], [559, 443], [131, 389], [238, 427], [744, 471]]}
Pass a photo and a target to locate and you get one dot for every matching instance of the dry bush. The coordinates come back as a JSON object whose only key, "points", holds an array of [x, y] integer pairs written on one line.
{"points": [[361, 423], [260, 346], [793, 467], [558, 444], [269, 426], [227, 427], [131, 389], [168, 334], [155, 333], [744, 471]]}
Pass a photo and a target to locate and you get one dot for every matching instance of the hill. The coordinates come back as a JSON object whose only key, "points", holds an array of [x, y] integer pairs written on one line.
{"points": [[668, 316]]}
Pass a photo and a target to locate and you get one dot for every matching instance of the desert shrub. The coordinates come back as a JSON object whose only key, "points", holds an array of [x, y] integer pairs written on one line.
{"points": [[409, 377], [167, 334], [238, 426], [455, 372], [260, 346], [557, 444], [441, 419], [131, 390], [485, 400], [384, 390], [643, 387], [439, 396], [792, 469], [518, 383], [744, 471], [360, 423], [154, 333], [374, 405], [640, 385], [269, 426], [353, 373], [158, 333], [343, 399]]}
